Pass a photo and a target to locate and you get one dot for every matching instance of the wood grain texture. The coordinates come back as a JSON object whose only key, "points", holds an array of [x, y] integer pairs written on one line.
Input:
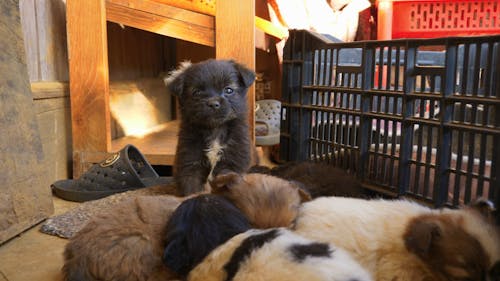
{"points": [[51, 33], [44, 30], [25, 196], [89, 77], [49, 90], [235, 39], [134, 53], [28, 22], [202, 6], [199, 28], [168, 9]]}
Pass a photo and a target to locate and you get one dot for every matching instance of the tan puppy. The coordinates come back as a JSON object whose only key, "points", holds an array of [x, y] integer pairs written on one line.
{"points": [[123, 244], [404, 241], [267, 201], [278, 255]]}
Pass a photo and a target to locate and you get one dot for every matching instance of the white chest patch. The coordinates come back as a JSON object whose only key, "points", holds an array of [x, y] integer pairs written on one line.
{"points": [[214, 153]]}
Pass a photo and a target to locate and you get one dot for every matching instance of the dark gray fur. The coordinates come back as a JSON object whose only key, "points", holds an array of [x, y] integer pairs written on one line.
{"points": [[209, 112]]}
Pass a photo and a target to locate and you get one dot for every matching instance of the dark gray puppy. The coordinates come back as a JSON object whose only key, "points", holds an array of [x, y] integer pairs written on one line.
{"points": [[214, 134]]}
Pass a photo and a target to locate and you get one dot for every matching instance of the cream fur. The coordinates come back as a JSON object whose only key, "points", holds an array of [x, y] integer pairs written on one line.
{"points": [[273, 261], [372, 231], [176, 72], [214, 153]]}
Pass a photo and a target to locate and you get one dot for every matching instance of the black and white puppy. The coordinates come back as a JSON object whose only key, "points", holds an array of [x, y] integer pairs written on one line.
{"points": [[214, 134], [198, 226], [279, 255]]}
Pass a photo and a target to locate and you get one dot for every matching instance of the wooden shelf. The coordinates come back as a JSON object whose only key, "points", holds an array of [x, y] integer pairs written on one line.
{"points": [[163, 19], [158, 146]]}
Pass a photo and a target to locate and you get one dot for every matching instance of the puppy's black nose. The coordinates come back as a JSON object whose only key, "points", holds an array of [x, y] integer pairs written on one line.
{"points": [[214, 104]]}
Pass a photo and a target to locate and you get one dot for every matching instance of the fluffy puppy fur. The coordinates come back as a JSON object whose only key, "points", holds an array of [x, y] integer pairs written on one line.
{"points": [[198, 226], [213, 132], [123, 244], [278, 255], [266, 200], [318, 178], [134, 231], [404, 241]]}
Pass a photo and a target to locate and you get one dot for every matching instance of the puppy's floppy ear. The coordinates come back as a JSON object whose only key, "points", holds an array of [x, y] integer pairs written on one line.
{"points": [[304, 194], [224, 181], [175, 78], [421, 234], [487, 209], [247, 75]]}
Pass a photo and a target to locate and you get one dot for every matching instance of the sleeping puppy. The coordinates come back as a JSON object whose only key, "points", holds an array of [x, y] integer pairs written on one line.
{"points": [[318, 178], [127, 242], [279, 255], [198, 226], [214, 132], [124, 244], [404, 241], [267, 201]]}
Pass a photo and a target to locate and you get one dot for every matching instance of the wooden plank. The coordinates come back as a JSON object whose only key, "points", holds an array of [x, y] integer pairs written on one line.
{"points": [[202, 6], [51, 30], [168, 26], [25, 196], [235, 39], [271, 29], [49, 90], [53, 116], [169, 10], [28, 22], [89, 77]]}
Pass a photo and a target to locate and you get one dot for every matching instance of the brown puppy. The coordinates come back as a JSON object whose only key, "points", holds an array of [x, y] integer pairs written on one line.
{"points": [[318, 178], [127, 244], [123, 244], [450, 246], [267, 201]]}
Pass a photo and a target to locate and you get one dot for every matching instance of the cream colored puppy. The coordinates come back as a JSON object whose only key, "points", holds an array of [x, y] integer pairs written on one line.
{"points": [[404, 241]]}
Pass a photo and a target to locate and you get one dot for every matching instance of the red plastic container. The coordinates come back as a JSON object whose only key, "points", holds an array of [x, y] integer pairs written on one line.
{"points": [[437, 18]]}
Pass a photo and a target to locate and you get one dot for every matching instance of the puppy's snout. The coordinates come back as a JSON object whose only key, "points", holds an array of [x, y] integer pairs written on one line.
{"points": [[215, 104]]}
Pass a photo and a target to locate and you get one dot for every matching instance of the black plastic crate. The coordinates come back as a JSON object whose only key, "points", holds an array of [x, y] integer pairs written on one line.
{"points": [[419, 118]]}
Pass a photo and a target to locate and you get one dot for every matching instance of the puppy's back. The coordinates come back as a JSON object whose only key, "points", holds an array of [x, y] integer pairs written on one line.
{"points": [[279, 255], [124, 243]]}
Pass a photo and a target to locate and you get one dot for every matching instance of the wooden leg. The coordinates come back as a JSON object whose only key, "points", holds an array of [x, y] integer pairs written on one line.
{"points": [[235, 39], [89, 78]]}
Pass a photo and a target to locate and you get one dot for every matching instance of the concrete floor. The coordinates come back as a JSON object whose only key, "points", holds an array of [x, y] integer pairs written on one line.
{"points": [[35, 256], [32, 255]]}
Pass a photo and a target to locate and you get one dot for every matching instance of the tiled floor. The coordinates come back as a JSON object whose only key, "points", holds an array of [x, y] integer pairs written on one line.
{"points": [[32, 255]]}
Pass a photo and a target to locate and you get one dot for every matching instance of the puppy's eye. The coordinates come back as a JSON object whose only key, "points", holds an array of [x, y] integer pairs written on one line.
{"points": [[196, 92], [228, 91]]}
